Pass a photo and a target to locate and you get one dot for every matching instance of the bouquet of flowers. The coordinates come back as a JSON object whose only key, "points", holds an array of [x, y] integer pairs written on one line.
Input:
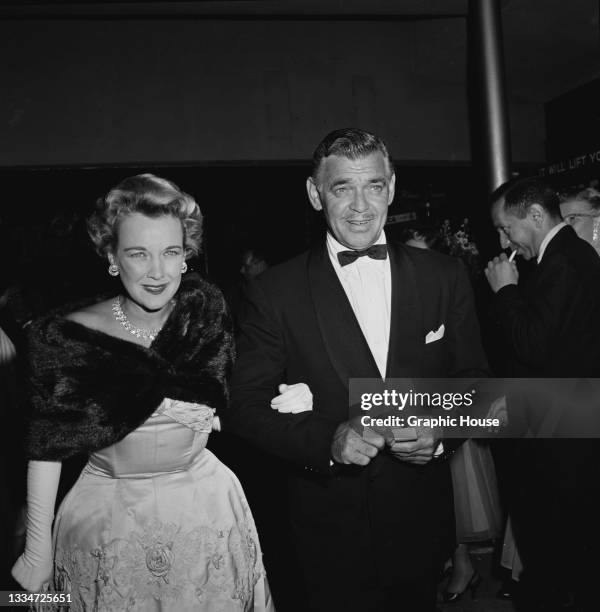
{"points": [[458, 243]]}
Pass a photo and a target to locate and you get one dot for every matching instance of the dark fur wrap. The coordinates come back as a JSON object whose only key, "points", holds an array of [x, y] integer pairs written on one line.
{"points": [[87, 389]]}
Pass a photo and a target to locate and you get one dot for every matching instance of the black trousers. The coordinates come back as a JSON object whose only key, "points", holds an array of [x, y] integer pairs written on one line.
{"points": [[552, 491]]}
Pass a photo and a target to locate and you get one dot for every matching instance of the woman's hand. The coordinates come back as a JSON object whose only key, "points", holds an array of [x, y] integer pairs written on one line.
{"points": [[293, 399], [34, 567], [33, 577]]}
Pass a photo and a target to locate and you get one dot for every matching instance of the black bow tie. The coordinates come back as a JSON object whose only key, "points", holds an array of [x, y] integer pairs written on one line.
{"points": [[376, 251]]}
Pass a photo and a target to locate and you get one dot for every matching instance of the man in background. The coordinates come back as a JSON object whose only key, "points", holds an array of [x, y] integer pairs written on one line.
{"points": [[253, 262], [551, 328]]}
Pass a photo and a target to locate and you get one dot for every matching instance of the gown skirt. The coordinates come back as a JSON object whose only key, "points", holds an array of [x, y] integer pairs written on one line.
{"points": [[157, 523], [476, 498]]}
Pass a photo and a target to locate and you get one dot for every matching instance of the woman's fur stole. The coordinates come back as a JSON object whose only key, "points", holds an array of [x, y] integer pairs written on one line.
{"points": [[87, 389]]}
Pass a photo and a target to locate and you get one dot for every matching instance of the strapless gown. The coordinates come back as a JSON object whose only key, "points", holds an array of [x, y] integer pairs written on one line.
{"points": [[156, 522]]}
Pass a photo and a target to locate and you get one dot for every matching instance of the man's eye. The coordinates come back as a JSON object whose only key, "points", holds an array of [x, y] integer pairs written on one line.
{"points": [[338, 191], [377, 188]]}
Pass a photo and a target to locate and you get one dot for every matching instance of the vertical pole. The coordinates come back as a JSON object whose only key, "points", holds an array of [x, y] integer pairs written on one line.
{"points": [[485, 48]]}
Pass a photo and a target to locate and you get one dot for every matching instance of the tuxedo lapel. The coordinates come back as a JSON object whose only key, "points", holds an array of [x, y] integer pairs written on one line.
{"points": [[406, 342], [343, 338]]}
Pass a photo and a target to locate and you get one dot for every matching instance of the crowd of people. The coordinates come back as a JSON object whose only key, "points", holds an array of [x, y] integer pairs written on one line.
{"points": [[351, 517]]}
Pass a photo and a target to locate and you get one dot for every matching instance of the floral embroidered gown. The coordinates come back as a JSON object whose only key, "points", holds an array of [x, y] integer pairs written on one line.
{"points": [[156, 522]]}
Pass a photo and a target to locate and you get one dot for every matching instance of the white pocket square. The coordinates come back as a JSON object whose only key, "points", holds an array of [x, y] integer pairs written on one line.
{"points": [[432, 336]]}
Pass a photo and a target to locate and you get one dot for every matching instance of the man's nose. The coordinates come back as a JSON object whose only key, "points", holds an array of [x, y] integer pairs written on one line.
{"points": [[359, 202], [504, 241]]}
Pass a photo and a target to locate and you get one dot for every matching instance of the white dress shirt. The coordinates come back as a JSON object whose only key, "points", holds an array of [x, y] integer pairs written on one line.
{"points": [[368, 286]]}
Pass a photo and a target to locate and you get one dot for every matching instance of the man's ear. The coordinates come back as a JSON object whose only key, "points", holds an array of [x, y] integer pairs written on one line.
{"points": [[313, 194], [537, 214], [392, 188]]}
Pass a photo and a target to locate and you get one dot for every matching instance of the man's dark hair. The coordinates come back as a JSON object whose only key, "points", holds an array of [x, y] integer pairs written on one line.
{"points": [[259, 253], [351, 143], [520, 194]]}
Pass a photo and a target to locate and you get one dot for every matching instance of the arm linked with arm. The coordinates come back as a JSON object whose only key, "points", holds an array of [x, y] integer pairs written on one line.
{"points": [[303, 438]]}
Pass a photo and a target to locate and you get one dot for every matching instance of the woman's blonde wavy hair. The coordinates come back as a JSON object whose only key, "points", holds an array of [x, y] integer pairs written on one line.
{"points": [[149, 195]]}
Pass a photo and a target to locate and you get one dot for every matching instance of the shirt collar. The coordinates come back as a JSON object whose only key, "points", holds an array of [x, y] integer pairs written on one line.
{"points": [[547, 238]]}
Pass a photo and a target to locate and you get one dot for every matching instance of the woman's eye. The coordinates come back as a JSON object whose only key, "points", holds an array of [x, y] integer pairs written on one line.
{"points": [[138, 254], [172, 253]]}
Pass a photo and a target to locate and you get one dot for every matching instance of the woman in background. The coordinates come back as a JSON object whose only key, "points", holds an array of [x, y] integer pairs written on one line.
{"points": [[155, 522], [581, 210]]}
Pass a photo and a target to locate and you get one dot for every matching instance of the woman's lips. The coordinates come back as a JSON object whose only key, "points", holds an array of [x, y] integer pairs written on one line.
{"points": [[154, 289]]}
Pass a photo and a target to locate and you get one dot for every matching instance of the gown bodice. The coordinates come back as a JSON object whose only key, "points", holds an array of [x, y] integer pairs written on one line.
{"points": [[160, 445]]}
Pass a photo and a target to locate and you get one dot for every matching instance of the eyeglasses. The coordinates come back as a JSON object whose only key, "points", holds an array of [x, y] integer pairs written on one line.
{"points": [[572, 218]]}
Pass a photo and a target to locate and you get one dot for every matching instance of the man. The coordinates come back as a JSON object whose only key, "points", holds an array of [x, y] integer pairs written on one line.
{"points": [[372, 523], [552, 329], [253, 263]]}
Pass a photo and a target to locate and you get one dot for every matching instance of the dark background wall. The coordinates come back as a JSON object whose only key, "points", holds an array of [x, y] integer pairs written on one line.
{"points": [[170, 90]]}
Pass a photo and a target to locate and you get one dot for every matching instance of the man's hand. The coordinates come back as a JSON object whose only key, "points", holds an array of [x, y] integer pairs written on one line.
{"points": [[349, 447], [500, 272], [419, 451]]}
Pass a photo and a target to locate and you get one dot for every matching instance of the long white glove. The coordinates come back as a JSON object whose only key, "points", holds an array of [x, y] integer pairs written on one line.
{"points": [[34, 567], [293, 399]]}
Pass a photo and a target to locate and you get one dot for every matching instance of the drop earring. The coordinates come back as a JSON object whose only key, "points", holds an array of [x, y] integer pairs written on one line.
{"points": [[184, 267], [113, 270]]}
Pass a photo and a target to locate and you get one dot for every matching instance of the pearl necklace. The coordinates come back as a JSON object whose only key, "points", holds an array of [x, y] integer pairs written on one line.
{"points": [[138, 332]]}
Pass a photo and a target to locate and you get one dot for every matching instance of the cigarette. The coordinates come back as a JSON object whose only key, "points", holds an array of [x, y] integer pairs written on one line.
{"points": [[512, 255]]}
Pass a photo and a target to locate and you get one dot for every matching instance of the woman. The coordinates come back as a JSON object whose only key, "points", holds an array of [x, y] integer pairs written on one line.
{"points": [[155, 521], [581, 210]]}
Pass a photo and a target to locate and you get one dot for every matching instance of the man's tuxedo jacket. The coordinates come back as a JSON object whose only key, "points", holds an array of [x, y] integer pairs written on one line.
{"points": [[298, 326], [552, 326], [552, 330]]}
